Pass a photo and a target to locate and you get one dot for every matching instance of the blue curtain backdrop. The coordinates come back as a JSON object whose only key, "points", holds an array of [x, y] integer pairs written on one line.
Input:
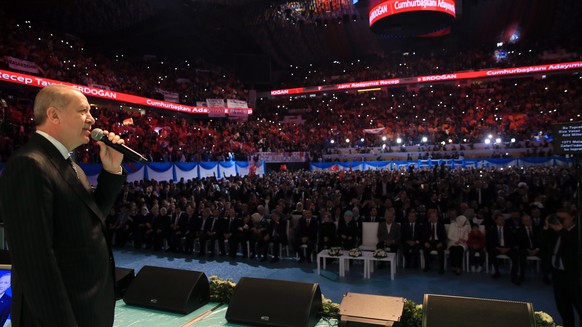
{"points": [[164, 171]]}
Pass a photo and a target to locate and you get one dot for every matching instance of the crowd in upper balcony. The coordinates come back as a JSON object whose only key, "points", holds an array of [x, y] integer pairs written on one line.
{"points": [[454, 113]]}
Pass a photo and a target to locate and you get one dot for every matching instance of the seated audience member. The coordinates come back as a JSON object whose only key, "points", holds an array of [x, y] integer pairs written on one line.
{"points": [[161, 226], [348, 231], [457, 240], [306, 234], [207, 232], [178, 229], [123, 226], [258, 228], [529, 237], [476, 244], [276, 235], [373, 217], [434, 239], [327, 232], [500, 241], [389, 232], [229, 229], [192, 223], [142, 230], [411, 239]]}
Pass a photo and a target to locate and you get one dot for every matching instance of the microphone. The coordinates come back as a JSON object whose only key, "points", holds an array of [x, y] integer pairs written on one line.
{"points": [[97, 135]]}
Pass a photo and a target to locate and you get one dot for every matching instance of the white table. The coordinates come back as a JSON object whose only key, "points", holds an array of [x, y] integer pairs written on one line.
{"points": [[344, 261], [369, 261], [322, 255]]}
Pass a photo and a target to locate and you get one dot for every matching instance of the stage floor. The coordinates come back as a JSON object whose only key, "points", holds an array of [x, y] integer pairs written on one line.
{"points": [[408, 283]]}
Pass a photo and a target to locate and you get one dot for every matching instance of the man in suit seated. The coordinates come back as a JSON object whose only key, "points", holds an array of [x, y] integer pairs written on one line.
{"points": [[500, 240], [276, 234], [434, 239], [306, 235], [389, 232], [327, 232], [411, 239], [373, 217], [529, 237]]}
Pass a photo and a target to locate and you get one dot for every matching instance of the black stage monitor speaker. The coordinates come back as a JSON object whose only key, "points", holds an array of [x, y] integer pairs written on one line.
{"points": [[268, 302], [168, 289], [123, 277], [455, 311]]}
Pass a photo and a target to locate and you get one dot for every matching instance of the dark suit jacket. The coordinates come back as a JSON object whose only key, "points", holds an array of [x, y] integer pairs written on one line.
{"points": [[309, 231], [493, 237], [281, 233], [406, 232], [440, 231], [394, 234], [524, 241], [63, 269]]}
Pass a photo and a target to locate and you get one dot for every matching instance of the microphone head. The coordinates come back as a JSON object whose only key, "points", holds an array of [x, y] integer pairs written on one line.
{"points": [[97, 134]]}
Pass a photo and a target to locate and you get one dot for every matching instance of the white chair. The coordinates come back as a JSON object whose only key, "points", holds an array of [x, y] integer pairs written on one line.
{"points": [[504, 257], [435, 252], [369, 236], [535, 259]]}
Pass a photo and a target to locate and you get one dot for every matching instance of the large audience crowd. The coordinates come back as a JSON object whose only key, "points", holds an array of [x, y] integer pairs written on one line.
{"points": [[523, 110], [244, 215]]}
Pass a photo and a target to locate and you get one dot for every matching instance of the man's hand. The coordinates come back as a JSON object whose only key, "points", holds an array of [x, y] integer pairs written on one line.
{"points": [[111, 159]]}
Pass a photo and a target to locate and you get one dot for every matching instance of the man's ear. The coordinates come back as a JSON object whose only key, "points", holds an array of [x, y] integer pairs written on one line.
{"points": [[52, 114]]}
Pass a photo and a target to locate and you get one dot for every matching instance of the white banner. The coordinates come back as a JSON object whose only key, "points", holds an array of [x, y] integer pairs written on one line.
{"points": [[373, 130], [22, 65], [215, 103], [201, 104], [282, 156], [232, 103], [168, 96]]}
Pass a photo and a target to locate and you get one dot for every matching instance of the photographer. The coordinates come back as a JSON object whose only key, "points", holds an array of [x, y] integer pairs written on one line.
{"points": [[561, 238]]}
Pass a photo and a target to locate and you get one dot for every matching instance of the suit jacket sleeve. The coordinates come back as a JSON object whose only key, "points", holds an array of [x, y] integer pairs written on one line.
{"points": [[31, 191], [27, 209]]}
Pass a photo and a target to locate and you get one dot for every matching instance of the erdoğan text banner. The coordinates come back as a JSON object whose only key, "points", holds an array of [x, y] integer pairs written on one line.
{"points": [[36, 81]]}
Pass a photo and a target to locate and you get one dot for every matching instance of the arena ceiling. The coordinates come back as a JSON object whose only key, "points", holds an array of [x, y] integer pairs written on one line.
{"points": [[218, 29]]}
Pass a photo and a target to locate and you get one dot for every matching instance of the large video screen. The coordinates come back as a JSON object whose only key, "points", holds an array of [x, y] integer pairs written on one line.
{"points": [[567, 138]]}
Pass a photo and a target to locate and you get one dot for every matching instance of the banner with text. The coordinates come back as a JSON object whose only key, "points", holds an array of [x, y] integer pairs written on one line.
{"points": [[497, 72], [36, 81], [22, 65], [271, 157]]}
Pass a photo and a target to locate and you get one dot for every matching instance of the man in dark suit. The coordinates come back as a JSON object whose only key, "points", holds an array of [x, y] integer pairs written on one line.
{"points": [[389, 232], [434, 239], [500, 240], [276, 234], [529, 238], [306, 234], [411, 239], [561, 235], [63, 270]]}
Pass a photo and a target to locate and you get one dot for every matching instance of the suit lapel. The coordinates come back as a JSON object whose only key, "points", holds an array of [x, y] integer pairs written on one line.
{"points": [[67, 173]]}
